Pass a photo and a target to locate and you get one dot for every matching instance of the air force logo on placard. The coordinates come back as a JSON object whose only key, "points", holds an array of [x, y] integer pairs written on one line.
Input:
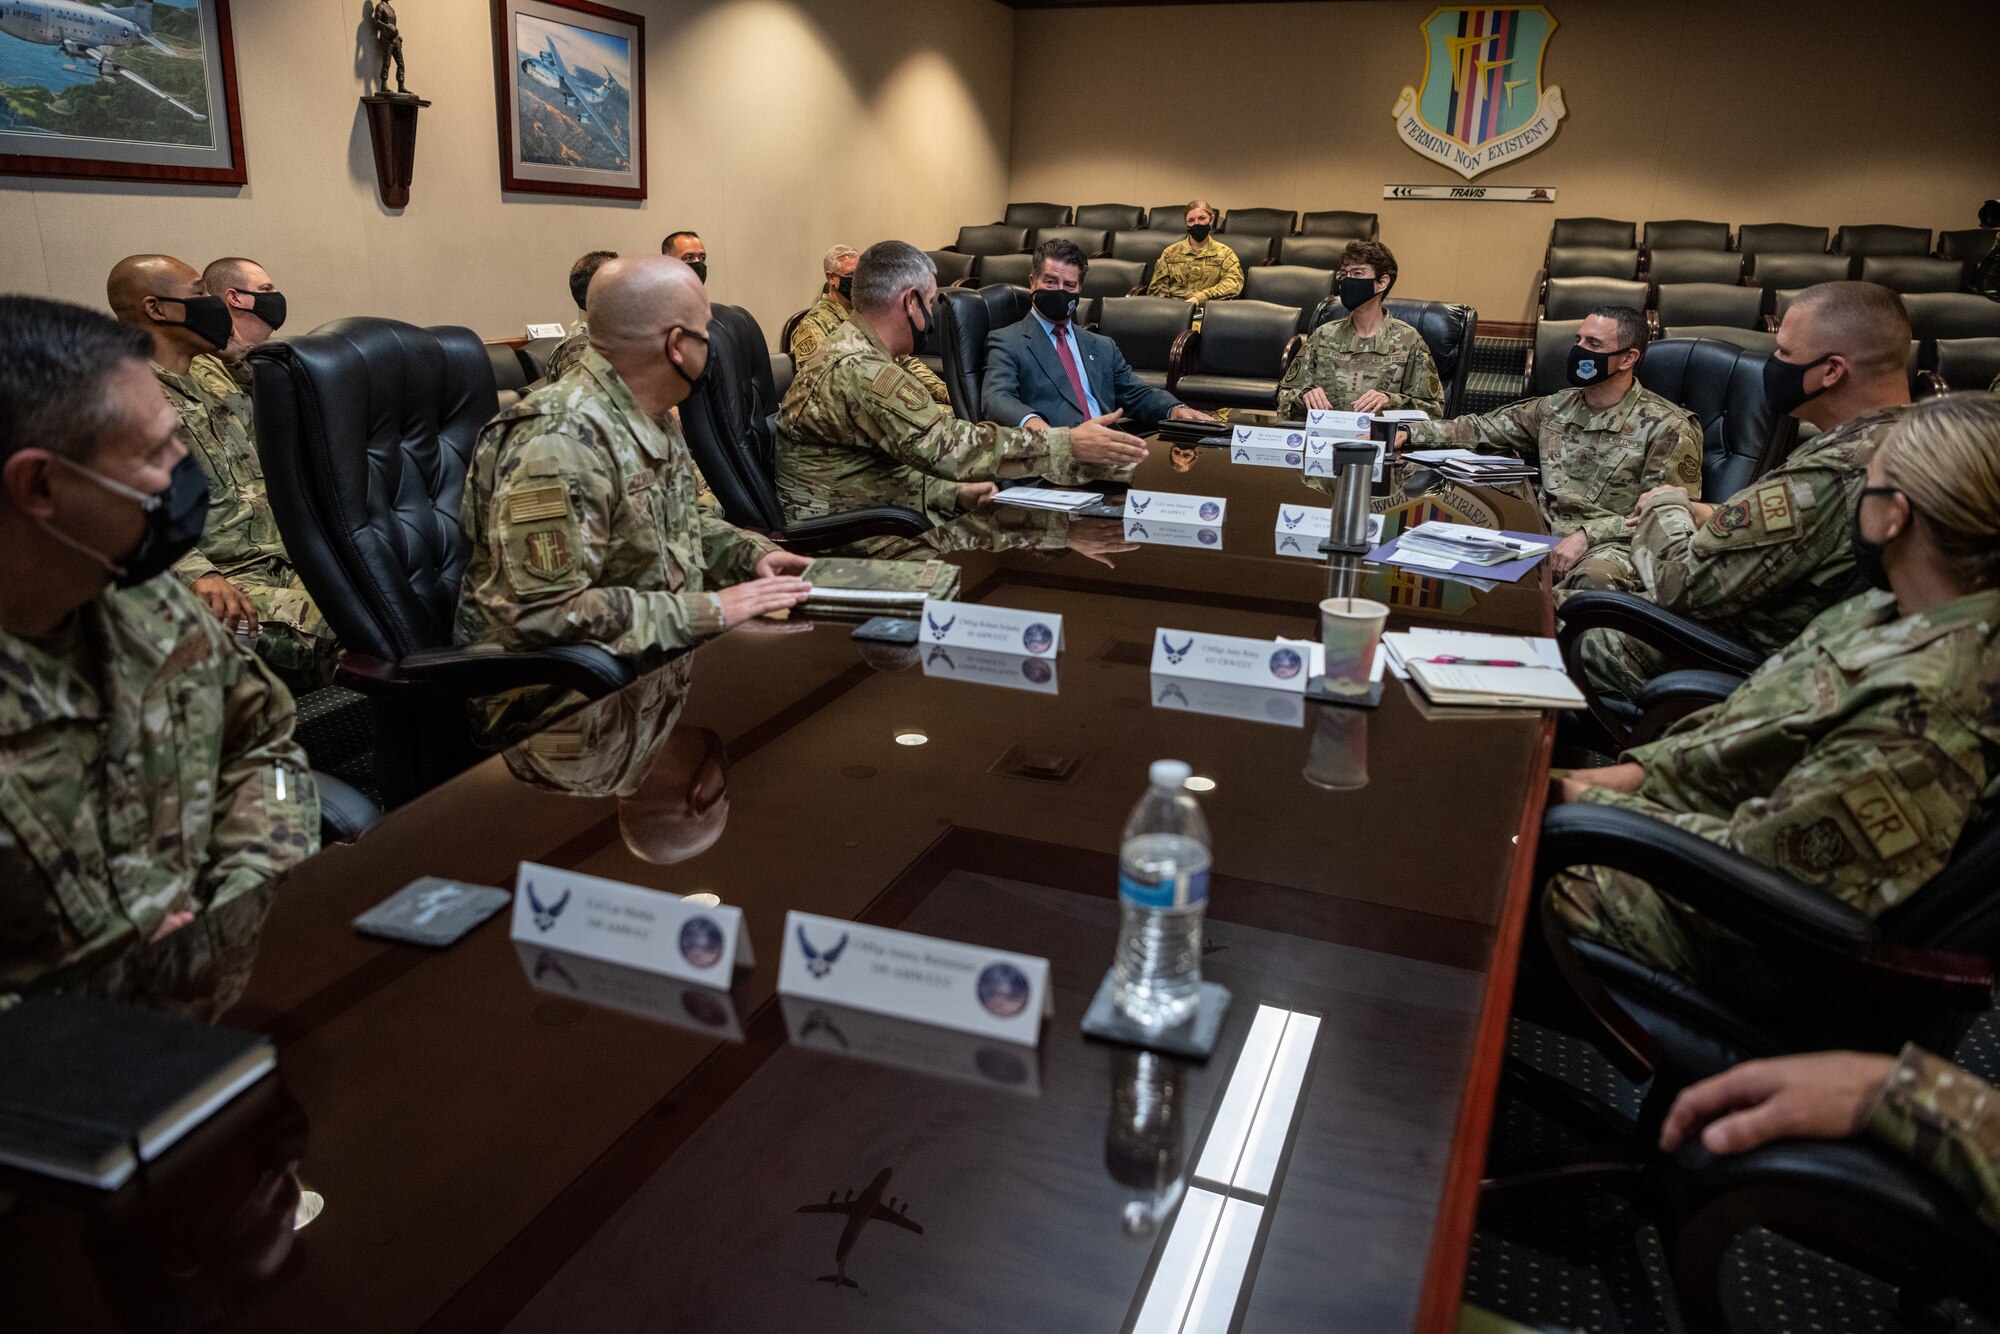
{"points": [[939, 631], [545, 913], [1174, 655], [1482, 101], [820, 962]]}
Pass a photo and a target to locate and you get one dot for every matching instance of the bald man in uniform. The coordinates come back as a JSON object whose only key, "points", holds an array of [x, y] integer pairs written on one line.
{"points": [[581, 505], [239, 569]]}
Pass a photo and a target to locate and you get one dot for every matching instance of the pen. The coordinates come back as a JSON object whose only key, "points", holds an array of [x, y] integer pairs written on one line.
{"points": [[1473, 662]]}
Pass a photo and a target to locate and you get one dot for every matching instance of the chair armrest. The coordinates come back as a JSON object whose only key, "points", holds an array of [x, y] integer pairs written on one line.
{"points": [[1930, 384], [1292, 346], [1183, 357], [344, 813], [827, 531], [483, 669], [1653, 322], [1686, 643], [1668, 698], [1138, 289]]}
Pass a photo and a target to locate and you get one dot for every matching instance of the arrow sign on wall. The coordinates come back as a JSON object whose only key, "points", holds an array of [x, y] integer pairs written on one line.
{"points": [[1476, 194]]}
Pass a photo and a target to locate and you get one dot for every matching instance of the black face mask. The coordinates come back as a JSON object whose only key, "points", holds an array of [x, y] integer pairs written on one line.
{"points": [[1868, 555], [845, 286], [1356, 292], [268, 307], [1053, 304], [693, 381], [700, 267], [174, 520], [1587, 368], [1199, 231], [920, 339], [207, 317], [1785, 384]]}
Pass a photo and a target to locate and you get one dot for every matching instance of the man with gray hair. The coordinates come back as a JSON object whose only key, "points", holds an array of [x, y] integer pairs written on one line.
{"points": [[817, 326], [857, 429]]}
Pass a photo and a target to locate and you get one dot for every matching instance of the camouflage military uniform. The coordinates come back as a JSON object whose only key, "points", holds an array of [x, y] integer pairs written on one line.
{"points": [[223, 378], [606, 749], [1850, 761], [570, 350], [1770, 558], [855, 429], [1336, 358], [240, 539], [585, 527], [824, 319], [1595, 463], [1949, 1121], [147, 767], [1212, 274]]}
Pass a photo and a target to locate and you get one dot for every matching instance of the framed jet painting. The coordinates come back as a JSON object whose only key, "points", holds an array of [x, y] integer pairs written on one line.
{"points": [[144, 91], [571, 84]]}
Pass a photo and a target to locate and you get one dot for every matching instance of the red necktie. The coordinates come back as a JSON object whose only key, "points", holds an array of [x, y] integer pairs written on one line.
{"points": [[1069, 365]]}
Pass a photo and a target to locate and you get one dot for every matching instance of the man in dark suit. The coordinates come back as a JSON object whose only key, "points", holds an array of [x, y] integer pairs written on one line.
{"points": [[1045, 371]]}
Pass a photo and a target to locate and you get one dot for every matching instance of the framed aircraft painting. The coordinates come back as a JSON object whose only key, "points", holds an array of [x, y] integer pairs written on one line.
{"points": [[144, 91], [571, 83]]}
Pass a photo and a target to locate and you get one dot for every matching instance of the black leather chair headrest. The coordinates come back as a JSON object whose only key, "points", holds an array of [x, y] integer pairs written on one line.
{"points": [[1144, 327], [1723, 386], [965, 319]]}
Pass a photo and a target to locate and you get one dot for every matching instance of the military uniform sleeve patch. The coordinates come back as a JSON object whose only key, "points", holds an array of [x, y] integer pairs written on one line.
{"points": [[1689, 469], [885, 381], [1733, 517], [547, 554], [542, 502], [1884, 823], [1774, 506], [1814, 851]]}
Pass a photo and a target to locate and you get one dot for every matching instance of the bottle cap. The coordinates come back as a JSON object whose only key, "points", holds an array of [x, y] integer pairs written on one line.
{"points": [[1169, 774]]}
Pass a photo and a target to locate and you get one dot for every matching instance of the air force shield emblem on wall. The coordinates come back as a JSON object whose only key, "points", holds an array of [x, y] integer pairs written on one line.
{"points": [[1482, 102]]}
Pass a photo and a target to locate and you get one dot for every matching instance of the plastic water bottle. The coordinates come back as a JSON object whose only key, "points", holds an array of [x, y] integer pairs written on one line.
{"points": [[1162, 893]]}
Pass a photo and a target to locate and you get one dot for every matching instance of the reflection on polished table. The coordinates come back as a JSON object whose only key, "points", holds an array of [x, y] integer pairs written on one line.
{"points": [[497, 1152]]}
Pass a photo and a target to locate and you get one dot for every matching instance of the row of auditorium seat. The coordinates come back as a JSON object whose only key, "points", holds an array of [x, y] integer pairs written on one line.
{"points": [[1771, 270], [1854, 240], [1932, 314], [1172, 219]]}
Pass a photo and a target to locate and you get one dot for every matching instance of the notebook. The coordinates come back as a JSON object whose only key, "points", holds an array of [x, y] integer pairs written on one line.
{"points": [[90, 1089], [1496, 687], [847, 584]]}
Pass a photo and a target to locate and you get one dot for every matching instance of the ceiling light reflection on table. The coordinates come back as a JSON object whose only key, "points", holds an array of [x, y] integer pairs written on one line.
{"points": [[910, 736]]}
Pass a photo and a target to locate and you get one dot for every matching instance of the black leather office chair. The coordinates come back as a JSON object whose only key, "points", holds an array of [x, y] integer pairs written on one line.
{"points": [[512, 373], [1448, 330], [993, 239], [1612, 233], [1342, 223], [1686, 234], [728, 421], [365, 428], [1312, 252], [1287, 285], [1142, 247], [965, 319], [1935, 315], [1252, 248], [1880, 239], [1152, 332], [1260, 221], [1961, 363], [1167, 217], [1574, 298], [1590, 261], [1763, 238], [1548, 360], [1910, 274], [1093, 240], [1036, 215], [1723, 386], [1784, 270], [1113, 277], [783, 371], [953, 266], [1239, 355], [1694, 266], [1759, 341], [1111, 217], [345, 812], [1969, 246], [1709, 303], [1012, 270]]}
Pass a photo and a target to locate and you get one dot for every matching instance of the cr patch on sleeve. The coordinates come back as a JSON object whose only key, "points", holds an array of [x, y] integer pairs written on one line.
{"points": [[543, 502], [1774, 506], [1882, 819]]}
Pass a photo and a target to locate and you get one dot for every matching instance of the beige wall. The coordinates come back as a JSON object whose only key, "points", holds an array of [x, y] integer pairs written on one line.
{"points": [[776, 128], [1814, 111]]}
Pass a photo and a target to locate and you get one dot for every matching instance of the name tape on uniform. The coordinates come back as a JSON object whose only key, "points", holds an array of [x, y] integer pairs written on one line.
{"points": [[1268, 664], [1173, 507], [920, 978], [624, 924], [995, 629]]}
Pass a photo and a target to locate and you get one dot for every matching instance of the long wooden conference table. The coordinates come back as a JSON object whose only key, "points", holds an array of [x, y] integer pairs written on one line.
{"points": [[503, 1138]]}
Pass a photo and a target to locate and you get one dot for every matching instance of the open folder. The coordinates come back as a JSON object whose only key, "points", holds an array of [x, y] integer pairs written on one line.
{"points": [[1501, 687]]}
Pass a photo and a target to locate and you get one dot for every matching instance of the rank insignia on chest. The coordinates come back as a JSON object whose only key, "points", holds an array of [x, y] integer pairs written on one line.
{"points": [[549, 555], [1774, 507], [544, 502]]}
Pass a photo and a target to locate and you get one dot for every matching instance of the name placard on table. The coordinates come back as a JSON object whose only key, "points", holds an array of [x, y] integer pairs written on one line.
{"points": [[1322, 455], [1281, 708], [995, 629], [965, 987], [1267, 446], [1268, 664], [902, 1044], [634, 991], [1173, 507], [1347, 425], [1300, 528], [1013, 671], [624, 924], [1173, 534]]}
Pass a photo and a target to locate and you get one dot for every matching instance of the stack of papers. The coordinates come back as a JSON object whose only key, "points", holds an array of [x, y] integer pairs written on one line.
{"points": [[1463, 465], [1463, 544], [1044, 498], [1504, 671]]}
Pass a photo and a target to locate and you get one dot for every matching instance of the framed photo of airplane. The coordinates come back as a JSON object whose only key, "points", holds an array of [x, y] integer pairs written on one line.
{"points": [[143, 91], [571, 83]]}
